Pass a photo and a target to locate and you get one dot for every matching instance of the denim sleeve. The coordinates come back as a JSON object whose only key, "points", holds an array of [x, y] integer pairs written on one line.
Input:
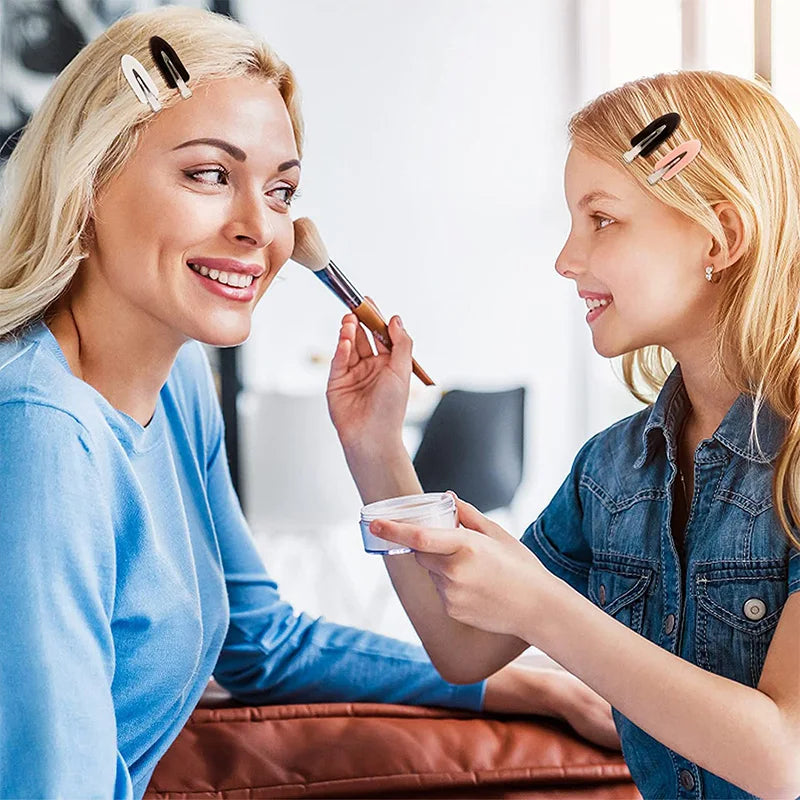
{"points": [[273, 655], [59, 734], [556, 536], [794, 570]]}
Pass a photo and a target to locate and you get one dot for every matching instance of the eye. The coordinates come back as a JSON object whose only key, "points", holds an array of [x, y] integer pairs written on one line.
{"points": [[599, 219], [285, 194], [200, 176]]}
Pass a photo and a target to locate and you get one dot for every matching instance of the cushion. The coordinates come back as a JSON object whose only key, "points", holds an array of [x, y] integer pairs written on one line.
{"points": [[377, 750]]}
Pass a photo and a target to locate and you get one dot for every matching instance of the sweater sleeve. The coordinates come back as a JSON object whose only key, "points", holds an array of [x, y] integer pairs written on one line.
{"points": [[57, 577], [273, 655]]}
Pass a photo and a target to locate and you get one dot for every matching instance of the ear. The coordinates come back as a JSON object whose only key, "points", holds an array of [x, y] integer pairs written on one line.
{"points": [[731, 221]]}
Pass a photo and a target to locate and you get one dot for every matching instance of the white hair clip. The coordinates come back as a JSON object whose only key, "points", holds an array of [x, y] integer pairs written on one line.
{"points": [[140, 81]]}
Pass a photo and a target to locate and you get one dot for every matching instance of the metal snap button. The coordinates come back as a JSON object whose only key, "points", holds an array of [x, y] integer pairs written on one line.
{"points": [[669, 624], [755, 608], [602, 594], [686, 779]]}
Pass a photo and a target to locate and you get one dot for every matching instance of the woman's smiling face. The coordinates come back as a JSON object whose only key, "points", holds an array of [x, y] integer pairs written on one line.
{"points": [[642, 258], [206, 192]]}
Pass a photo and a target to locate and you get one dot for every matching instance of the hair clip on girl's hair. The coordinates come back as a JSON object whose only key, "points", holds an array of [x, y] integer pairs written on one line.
{"points": [[170, 66], [656, 133]]}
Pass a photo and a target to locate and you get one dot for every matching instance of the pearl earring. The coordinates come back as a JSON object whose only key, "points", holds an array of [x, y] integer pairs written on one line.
{"points": [[709, 272]]}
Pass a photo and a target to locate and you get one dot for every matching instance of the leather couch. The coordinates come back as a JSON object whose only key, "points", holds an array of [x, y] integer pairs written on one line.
{"points": [[227, 750]]}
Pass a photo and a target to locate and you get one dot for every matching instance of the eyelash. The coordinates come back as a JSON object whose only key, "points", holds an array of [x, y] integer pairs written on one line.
{"points": [[601, 217], [292, 192]]}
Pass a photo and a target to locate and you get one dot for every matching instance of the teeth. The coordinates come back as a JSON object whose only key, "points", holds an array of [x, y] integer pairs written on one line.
{"points": [[226, 278], [592, 303]]}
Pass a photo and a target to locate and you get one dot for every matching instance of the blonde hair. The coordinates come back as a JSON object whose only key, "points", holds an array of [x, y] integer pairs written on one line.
{"points": [[86, 129], [750, 157]]}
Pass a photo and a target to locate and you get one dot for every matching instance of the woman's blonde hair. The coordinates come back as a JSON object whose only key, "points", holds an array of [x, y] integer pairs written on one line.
{"points": [[750, 157], [87, 128]]}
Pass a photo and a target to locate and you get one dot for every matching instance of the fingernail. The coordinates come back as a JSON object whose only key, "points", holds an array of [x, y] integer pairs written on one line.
{"points": [[376, 527], [399, 322]]}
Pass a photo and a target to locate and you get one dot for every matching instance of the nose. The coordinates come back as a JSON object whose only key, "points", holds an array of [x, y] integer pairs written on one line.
{"points": [[250, 221], [570, 262]]}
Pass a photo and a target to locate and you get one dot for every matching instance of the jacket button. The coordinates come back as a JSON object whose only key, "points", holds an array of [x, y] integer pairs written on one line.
{"points": [[602, 594], [755, 608], [686, 779], [669, 624]]}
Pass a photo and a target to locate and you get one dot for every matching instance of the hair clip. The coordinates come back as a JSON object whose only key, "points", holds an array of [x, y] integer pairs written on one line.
{"points": [[140, 81], [170, 66], [674, 161], [652, 135]]}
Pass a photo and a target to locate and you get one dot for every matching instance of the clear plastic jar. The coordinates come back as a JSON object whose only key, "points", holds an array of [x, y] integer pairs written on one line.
{"points": [[433, 510]]}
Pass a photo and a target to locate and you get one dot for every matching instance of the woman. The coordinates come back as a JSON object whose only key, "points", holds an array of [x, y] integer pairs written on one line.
{"points": [[666, 570], [129, 575]]}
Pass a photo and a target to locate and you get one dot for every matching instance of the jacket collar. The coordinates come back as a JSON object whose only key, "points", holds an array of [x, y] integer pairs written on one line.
{"points": [[734, 432]]}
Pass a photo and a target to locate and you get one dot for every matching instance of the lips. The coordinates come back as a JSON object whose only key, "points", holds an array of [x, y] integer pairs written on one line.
{"points": [[227, 265]]}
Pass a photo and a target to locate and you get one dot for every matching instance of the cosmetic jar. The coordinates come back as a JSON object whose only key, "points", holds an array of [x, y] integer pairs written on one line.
{"points": [[432, 510]]}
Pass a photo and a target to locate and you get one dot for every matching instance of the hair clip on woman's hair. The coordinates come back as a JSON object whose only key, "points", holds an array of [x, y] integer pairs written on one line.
{"points": [[140, 81], [656, 133], [170, 66]]}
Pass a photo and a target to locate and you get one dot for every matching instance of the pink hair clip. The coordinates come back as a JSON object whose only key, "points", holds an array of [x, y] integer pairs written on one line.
{"points": [[673, 162]]}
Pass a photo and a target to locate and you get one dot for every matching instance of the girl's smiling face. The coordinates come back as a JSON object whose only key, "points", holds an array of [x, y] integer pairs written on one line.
{"points": [[643, 258], [209, 185]]}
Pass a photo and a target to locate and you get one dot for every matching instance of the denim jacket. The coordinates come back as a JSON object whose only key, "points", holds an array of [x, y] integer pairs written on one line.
{"points": [[607, 533]]}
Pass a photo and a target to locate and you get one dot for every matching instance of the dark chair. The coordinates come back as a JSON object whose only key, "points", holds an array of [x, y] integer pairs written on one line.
{"points": [[473, 444]]}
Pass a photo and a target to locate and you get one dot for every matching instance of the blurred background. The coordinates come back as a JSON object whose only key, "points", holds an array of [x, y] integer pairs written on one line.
{"points": [[436, 138]]}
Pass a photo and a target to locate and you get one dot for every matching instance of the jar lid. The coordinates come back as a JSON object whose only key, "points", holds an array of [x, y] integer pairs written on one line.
{"points": [[411, 506]]}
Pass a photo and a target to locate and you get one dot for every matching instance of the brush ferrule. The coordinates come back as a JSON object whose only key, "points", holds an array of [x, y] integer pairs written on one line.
{"points": [[337, 282]]}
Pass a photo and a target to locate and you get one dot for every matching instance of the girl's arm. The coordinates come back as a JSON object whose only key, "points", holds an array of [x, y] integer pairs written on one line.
{"points": [[367, 397], [749, 737]]}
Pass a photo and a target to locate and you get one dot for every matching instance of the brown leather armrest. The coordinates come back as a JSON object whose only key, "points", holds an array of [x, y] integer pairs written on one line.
{"points": [[373, 750]]}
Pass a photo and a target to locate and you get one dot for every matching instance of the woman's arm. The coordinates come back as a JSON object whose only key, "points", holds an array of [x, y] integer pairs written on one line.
{"points": [[57, 718], [750, 737]]}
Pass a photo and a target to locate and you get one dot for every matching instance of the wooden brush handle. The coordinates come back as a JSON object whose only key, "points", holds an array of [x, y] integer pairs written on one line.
{"points": [[371, 317]]}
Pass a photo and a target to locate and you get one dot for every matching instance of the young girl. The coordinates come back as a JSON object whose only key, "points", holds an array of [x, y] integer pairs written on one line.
{"points": [[665, 572], [128, 573]]}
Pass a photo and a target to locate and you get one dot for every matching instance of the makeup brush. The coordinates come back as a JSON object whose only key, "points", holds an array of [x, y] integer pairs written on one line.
{"points": [[309, 250]]}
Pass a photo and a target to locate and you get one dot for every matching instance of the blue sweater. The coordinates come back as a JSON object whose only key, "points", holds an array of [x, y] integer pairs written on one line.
{"points": [[128, 577]]}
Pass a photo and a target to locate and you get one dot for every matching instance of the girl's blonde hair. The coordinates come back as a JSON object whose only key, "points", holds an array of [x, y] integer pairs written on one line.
{"points": [[87, 128], [750, 157]]}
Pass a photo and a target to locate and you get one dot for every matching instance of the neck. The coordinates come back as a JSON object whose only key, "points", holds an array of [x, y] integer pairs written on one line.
{"points": [[711, 395], [126, 358]]}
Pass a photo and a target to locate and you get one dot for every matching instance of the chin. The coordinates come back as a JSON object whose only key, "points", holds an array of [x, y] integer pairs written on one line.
{"points": [[225, 333], [609, 349]]}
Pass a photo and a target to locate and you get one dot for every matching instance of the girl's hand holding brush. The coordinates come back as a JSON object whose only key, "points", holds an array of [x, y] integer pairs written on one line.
{"points": [[367, 394]]}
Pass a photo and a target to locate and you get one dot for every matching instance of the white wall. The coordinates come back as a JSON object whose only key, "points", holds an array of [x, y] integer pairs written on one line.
{"points": [[436, 137]]}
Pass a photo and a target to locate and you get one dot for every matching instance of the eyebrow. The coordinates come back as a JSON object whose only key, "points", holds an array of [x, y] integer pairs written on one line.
{"points": [[597, 194], [234, 151]]}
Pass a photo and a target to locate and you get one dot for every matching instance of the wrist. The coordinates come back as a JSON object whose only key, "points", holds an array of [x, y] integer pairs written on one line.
{"points": [[381, 472]]}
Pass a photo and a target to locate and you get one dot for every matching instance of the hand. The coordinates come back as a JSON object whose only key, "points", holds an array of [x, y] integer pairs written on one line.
{"points": [[553, 693], [367, 393], [484, 576]]}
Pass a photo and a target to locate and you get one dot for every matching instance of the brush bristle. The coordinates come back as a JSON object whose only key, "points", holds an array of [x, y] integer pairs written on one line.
{"points": [[309, 249]]}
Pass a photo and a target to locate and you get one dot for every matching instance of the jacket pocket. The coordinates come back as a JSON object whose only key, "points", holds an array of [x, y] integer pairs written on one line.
{"points": [[738, 607], [618, 584]]}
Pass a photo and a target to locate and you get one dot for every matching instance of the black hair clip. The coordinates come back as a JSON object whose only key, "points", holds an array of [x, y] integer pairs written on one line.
{"points": [[652, 135], [170, 66]]}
